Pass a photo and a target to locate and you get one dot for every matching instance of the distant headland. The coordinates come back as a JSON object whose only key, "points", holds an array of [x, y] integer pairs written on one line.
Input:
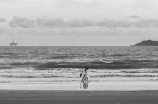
{"points": [[147, 43]]}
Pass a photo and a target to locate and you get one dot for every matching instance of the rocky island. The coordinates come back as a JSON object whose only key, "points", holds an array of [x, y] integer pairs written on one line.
{"points": [[147, 43]]}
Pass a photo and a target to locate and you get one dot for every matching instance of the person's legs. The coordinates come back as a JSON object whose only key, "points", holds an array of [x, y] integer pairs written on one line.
{"points": [[82, 81], [86, 79]]}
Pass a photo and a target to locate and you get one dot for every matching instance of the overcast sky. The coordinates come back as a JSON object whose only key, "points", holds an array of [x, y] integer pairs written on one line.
{"points": [[78, 22]]}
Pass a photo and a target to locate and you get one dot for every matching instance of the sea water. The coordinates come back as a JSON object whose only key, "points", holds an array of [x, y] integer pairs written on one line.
{"points": [[69, 61], [76, 53]]}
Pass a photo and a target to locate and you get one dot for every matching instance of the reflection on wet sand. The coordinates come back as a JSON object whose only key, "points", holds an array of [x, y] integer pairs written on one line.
{"points": [[84, 85], [97, 86]]}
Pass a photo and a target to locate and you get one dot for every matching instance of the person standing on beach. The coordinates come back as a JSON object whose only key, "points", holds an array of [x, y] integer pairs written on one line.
{"points": [[84, 77]]}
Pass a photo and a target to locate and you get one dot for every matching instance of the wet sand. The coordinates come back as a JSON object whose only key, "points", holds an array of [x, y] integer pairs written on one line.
{"points": [[92, 86], [70, 93], [78, 97]]}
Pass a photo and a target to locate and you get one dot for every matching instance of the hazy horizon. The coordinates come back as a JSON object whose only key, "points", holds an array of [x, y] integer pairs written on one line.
{"points": [[78, 22]]}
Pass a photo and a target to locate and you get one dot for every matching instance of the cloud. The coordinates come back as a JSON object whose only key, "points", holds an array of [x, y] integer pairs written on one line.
{"points": [[79, 9], [36, 32], [2, 20], [89, 31], [10, 32], [2, 31], [44, 22], [146, 23], [21, 22], [134, 16], [79, 23], [48, 23]]}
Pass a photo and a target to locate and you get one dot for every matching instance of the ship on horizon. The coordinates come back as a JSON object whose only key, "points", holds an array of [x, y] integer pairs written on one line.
{"points": [[13, 43]]}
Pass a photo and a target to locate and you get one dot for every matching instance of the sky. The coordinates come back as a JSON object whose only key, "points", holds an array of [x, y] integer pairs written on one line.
{"points": [[78, 22]]}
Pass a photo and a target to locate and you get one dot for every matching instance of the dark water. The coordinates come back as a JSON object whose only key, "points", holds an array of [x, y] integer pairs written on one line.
{"points": [[92, 56]]}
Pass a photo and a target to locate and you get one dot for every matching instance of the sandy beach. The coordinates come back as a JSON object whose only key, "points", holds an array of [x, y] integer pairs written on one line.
{"points": [[138, 92], [78, 97], [75, 86]]}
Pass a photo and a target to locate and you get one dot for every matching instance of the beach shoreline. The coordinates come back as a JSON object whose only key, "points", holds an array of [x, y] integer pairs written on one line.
{"points": [[75, 86]]}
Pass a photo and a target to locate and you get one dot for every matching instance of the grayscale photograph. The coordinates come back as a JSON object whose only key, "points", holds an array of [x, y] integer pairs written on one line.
{"points": [[78, 51]]}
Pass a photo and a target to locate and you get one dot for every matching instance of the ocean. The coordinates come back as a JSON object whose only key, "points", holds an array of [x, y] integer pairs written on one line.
{"points": [[107, 54], [68, 61]]}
